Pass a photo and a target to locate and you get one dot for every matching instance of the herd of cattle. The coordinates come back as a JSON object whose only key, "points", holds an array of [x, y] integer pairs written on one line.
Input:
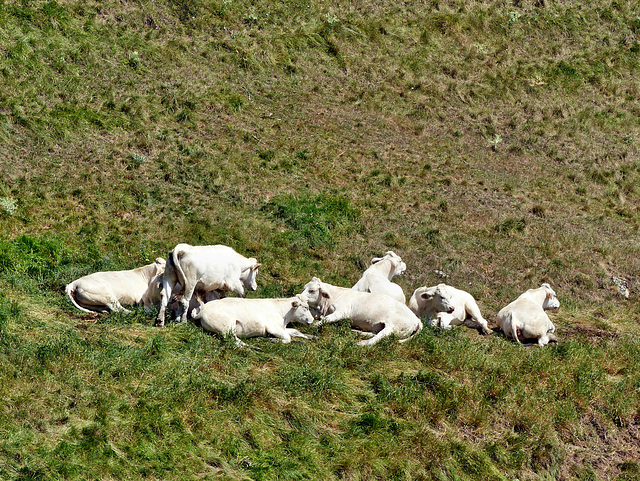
{"points": [[193, 280]]}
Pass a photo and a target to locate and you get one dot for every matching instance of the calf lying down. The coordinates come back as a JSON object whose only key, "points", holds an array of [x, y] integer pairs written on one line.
{"points": [[380, 315], [245, 318], [448, 306], [112, 290], [377, 278], [525, 318]]}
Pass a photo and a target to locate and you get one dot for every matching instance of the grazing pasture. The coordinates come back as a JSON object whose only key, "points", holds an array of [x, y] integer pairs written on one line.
{"points": [[494, 146]]}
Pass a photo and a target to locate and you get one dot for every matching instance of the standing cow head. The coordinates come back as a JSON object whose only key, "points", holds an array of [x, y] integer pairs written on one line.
{"points": [[550, 301], [248, 276]]}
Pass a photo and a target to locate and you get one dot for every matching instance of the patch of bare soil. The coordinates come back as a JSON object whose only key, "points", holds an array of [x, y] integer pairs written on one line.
{"points": [[609, 451], [591, 333]]}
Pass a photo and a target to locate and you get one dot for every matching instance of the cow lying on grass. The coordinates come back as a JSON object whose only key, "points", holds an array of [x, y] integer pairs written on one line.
{"points": [[246, 318], [380, 315], [109, 291], [448, 307], [525, 318], [377, 278]]}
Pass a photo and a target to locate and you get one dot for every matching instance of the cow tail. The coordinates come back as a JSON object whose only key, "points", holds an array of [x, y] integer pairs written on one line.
{"points": [[71, 294], [514, 328], [175, 259]]}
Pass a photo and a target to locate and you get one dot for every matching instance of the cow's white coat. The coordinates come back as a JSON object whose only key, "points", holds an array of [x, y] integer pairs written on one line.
{"points": [[525, 318], [110, 290], [246, 318], [448, 306], [373, 313], [206, 268], [377, 278]]}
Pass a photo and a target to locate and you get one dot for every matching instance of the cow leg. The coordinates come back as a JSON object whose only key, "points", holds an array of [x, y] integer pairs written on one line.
{"points": [[165, 295], [387, 331], [333, 317], [280, 334], [186, 299], [473, 311], [543, 340], [239, 343], [444, 320], [295, 333], [115, 306], [366, 334]]}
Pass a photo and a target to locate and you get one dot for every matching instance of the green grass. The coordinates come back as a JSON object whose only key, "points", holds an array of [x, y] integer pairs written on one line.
{"points": [[496, 143]]}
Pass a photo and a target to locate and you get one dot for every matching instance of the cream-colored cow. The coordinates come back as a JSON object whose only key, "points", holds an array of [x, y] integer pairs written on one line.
{"points": [[206, 268], [254, 317], [110, 290], [448, 306], [373, 313], [377, 278], [525, 318]]}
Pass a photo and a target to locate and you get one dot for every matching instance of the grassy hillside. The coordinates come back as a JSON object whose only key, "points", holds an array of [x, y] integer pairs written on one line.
{"points": [[494, 142]]}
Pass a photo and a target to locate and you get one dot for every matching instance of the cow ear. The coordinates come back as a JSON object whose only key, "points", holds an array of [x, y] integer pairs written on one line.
{"points": [[295, 304], [256, 267], [325, 294], [375, 260], [426, 296]]}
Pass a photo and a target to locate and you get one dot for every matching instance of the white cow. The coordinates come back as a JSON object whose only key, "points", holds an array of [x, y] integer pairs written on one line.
{"points": [[254, 317], [207, 268], [377, 278], [108, 291], [525, 318], [448, 306], [380, 315]]}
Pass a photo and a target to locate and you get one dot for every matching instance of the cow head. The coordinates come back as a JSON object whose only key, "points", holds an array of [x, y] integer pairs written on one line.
{"points": [[550, 301], [160, 265], [317, 297], [300, 311], [313, 292], [439, 297], [395, 260], [248, 276]]}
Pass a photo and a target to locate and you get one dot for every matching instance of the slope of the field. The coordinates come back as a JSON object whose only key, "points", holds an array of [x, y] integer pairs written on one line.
{"points": [[493, 145]]}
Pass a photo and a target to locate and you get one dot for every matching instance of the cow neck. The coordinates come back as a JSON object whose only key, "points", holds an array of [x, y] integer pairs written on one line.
{"points": [[384, 267]]}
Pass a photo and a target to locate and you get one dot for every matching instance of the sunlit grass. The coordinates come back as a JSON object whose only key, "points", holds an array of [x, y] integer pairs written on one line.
{"points": [[493, 146]]}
